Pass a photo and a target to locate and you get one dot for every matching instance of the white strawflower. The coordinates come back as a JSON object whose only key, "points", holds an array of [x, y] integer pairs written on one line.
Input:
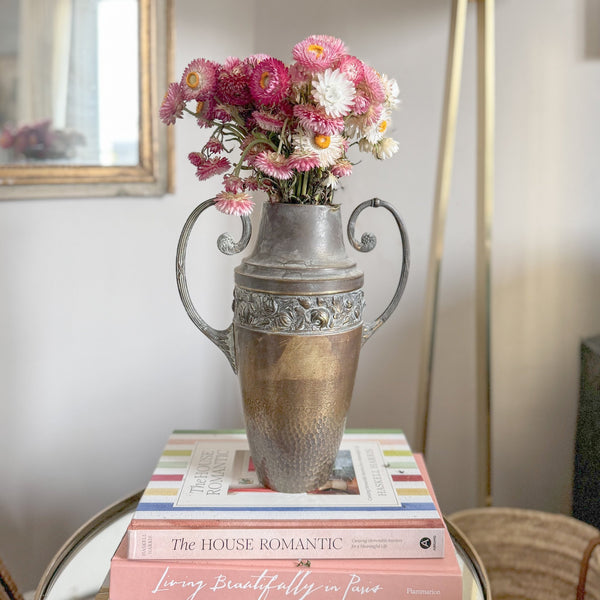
{"points": [[327, 148], [354, 127], [385, 148], [377, 131], [364, 145], [392, 91], [334, 92], [332, 181]]}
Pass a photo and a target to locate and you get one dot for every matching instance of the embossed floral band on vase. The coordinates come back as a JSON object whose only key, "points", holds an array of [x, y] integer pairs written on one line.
{"points": [[297, 325]]}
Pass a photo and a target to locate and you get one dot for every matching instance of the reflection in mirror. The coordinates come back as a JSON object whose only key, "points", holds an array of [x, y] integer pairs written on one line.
{"points": [[79, 83], [68, 79]]}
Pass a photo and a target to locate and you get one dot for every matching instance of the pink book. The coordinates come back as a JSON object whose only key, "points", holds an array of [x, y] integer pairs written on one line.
{"points": [[334, 579], [204, 502]]}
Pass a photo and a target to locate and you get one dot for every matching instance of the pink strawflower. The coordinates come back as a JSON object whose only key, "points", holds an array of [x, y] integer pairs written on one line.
{"points": [[233, 184], [255, 150], [209, 111], [342, 168], [236, 184], [361, 103], [269, 82], [359, 126], [214, 146], [372, 115], [232, 82], [371, 85], [286, 109], [370, 91], [274, 164], [198, 80], [298, 75], [196, 158], [231, 203], [221, 113], [352, 67], [212, 166], [254, 59], [304, 160], [251, 183], [316, 119], [172, 105], [205, 112], [319, 52], [268, 121], [231, 62]]}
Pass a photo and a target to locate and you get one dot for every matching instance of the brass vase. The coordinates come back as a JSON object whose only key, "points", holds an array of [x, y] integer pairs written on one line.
{"points": [[296, 334]]}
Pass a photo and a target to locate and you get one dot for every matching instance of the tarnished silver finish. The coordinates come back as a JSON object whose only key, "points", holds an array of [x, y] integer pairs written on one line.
{"points": [[367, 243], [296, 335], [298, 314], [299, 250]]}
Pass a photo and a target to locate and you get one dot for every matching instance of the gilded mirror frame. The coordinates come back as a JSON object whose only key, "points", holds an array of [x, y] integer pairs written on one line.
{"points": [[153, 175]]}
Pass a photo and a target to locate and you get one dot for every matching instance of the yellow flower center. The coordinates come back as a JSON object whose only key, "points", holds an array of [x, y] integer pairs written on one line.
{"points": [[199, 106], [264, 80], [382, 126], [192, 79], [322, 141], [318, 50]]}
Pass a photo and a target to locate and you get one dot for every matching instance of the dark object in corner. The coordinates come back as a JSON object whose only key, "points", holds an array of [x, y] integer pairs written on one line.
{"points": [[586, 479]]}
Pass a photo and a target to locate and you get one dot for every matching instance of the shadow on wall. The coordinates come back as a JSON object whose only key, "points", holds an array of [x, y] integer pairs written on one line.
{"points": [[27, 557], [542, 313], [387, 387], [12, 560]]}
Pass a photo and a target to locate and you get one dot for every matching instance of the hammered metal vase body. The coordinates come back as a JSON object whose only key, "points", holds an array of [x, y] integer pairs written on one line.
{"points": [[298, 308], [296, 334]]}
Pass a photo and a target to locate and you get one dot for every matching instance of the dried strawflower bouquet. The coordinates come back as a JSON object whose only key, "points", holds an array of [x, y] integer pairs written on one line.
{"points": [[289, 127]]}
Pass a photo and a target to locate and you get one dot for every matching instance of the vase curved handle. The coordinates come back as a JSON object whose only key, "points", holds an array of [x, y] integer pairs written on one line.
{"points": [[222, 338], [366, 243]]}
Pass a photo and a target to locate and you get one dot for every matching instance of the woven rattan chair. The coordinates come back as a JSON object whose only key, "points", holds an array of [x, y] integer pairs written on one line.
{"points": [[533, 555], [8, 588]]}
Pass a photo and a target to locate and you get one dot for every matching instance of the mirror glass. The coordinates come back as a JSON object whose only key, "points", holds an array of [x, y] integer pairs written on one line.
{"points": [[79, 82]]}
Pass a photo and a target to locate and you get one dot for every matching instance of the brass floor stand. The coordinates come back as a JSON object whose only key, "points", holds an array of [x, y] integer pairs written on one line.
{"points": [[485, 190]]}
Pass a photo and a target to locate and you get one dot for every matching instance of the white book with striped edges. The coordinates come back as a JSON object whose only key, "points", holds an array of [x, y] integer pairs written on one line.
{"points": [[204, 502]]}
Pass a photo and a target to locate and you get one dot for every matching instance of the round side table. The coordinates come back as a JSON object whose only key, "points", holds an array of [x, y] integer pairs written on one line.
{"points": [[79, 568]]}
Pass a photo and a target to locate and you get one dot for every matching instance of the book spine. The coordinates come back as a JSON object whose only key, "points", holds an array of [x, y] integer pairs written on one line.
{"points": [[140, 580], [171, 544]]}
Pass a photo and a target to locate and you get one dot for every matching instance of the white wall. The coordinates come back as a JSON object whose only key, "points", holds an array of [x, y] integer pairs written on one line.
{"points": [[98, 361]]}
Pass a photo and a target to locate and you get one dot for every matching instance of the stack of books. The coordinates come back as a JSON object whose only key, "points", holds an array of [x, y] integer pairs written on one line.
{"points": [[205, 528]]}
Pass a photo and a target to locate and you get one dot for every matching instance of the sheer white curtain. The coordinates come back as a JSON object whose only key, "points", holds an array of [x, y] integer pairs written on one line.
{"points": [[43, 70]]}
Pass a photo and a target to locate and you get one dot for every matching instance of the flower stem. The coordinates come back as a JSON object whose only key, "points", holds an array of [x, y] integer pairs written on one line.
{"points": [[282, 135], [258, 140]]}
